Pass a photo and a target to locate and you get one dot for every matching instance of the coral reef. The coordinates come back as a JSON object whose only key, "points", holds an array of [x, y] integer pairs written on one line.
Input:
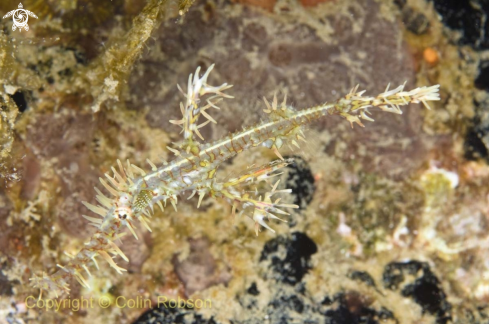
{"points": [[392, 225]]}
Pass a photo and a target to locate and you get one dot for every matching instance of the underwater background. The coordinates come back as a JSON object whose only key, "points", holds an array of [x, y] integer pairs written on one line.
{"points": [[393, 224]]}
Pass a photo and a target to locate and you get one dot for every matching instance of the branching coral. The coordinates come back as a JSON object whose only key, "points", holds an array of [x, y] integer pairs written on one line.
{"points": [[133, 192]]}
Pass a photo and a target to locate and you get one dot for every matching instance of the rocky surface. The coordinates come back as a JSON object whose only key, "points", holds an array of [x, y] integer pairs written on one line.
{"points": [[393, 218]]}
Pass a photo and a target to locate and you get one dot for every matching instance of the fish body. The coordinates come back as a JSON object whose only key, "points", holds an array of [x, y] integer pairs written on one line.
{"points": [[133, 192]]}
